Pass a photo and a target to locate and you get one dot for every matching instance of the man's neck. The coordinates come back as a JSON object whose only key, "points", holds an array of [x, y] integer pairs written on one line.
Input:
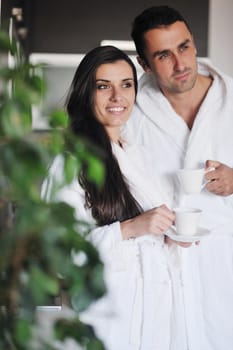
{"points": [[187, 104]]}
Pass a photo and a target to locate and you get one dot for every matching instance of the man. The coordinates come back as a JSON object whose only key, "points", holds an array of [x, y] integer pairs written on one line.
{"points": [[184, 116]]}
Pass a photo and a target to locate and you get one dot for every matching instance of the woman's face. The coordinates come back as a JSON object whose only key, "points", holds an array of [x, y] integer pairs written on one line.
{"points": [[114, 96]]}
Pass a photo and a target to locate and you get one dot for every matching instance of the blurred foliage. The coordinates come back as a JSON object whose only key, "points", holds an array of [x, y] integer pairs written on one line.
{"points": [[38, 239]]}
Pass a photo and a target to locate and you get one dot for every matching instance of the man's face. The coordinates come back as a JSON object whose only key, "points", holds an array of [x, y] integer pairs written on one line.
{"points": [[171, 57]]}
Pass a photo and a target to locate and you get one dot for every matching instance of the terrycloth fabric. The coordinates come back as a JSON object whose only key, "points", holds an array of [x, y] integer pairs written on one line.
{"points": [[144, 307], [172, 146]]}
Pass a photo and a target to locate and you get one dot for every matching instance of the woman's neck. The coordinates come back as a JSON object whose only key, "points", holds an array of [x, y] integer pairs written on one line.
{"points": [[114, 136]]}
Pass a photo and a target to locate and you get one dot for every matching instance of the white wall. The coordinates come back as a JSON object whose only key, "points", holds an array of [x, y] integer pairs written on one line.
{"points": [[220, 50]]}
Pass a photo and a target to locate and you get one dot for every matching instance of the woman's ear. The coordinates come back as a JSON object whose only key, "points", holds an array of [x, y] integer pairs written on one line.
{"points": [[143, 64]]}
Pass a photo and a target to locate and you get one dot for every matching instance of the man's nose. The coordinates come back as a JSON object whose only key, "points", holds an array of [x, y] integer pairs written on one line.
{"points": [[178, 62]]}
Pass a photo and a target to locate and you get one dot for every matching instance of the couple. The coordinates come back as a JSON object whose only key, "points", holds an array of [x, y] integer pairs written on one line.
{"points": [[160, 295]]}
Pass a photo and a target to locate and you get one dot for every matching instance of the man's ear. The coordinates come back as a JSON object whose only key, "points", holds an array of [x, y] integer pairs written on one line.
{"points": [[195, 48], [143, 64], [196, 51]]}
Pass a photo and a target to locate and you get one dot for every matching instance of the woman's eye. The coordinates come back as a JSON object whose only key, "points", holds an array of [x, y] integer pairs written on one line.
{"points": [[102, 86], [128, 85]]}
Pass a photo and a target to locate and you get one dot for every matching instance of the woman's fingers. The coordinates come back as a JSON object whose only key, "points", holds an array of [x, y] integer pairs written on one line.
{"points": [[163, 218]]}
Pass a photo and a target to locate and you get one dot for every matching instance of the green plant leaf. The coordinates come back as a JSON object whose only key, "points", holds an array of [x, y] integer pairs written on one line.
{"points": [[58, 119], [74, 328], [38, 240], [96, 170], [70, 167], [7, 73], [42, 284], [81, 301], [5, 43], [22, 331], [95, 344], [37, 84], [15, 121]]}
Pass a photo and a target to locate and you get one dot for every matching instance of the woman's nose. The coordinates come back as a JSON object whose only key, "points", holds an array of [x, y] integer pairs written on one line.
{"points": [[115, 94]]}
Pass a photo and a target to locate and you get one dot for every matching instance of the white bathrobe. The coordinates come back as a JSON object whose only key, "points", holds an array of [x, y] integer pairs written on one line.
{"points": [[173, 146], [144, 307]]}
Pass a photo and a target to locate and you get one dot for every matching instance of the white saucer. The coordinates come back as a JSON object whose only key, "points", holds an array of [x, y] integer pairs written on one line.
{"points": [[201, 232]]}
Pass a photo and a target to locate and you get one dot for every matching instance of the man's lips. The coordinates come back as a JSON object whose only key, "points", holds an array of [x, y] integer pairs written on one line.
{"points": [[182, 76]]}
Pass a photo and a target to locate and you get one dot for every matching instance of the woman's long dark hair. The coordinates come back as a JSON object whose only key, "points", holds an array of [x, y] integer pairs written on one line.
{"points": [[113, 201]]}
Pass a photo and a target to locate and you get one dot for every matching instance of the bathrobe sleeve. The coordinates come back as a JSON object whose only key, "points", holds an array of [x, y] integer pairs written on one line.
{"points": [[104, 238]]}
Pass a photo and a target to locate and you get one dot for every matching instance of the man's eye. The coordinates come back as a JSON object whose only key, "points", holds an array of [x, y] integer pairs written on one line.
{"points": [[164, 56], [183, 48]]}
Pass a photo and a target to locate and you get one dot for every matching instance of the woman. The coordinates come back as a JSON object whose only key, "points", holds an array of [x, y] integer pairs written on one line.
{"points": [[130, 211]]}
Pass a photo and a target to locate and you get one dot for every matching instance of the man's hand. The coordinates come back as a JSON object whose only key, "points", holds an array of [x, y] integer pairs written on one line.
{"points": [[220, 179]]}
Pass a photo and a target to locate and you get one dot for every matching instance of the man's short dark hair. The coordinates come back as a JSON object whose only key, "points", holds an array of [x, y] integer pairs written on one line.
{"points": [[151, 18]]}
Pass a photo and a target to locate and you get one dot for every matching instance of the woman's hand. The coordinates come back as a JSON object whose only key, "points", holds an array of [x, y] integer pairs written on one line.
{"points": [[155, 221], [170, 241]]}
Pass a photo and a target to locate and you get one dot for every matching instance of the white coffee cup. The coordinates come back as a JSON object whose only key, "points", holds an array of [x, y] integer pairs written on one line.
{"points": [[186, 220], [192, 180]]}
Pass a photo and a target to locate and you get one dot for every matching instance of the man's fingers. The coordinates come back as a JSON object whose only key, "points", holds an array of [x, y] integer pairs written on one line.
{"points": [[212, 164]]}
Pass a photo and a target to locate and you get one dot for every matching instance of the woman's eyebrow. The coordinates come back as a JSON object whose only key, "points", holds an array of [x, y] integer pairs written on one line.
{"points": [[108, 81], [105, 80]]}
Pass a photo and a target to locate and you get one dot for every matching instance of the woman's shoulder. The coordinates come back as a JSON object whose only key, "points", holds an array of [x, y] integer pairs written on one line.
{"points": [[56, 182], [55, 168], [58, 167]]}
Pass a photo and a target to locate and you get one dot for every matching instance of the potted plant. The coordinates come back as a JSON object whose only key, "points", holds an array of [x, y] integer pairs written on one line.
{"points": [[37, 239]]}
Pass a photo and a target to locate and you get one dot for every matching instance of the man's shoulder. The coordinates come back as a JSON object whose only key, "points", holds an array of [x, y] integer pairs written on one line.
{"points": [[146, 82], [206, 67]]}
